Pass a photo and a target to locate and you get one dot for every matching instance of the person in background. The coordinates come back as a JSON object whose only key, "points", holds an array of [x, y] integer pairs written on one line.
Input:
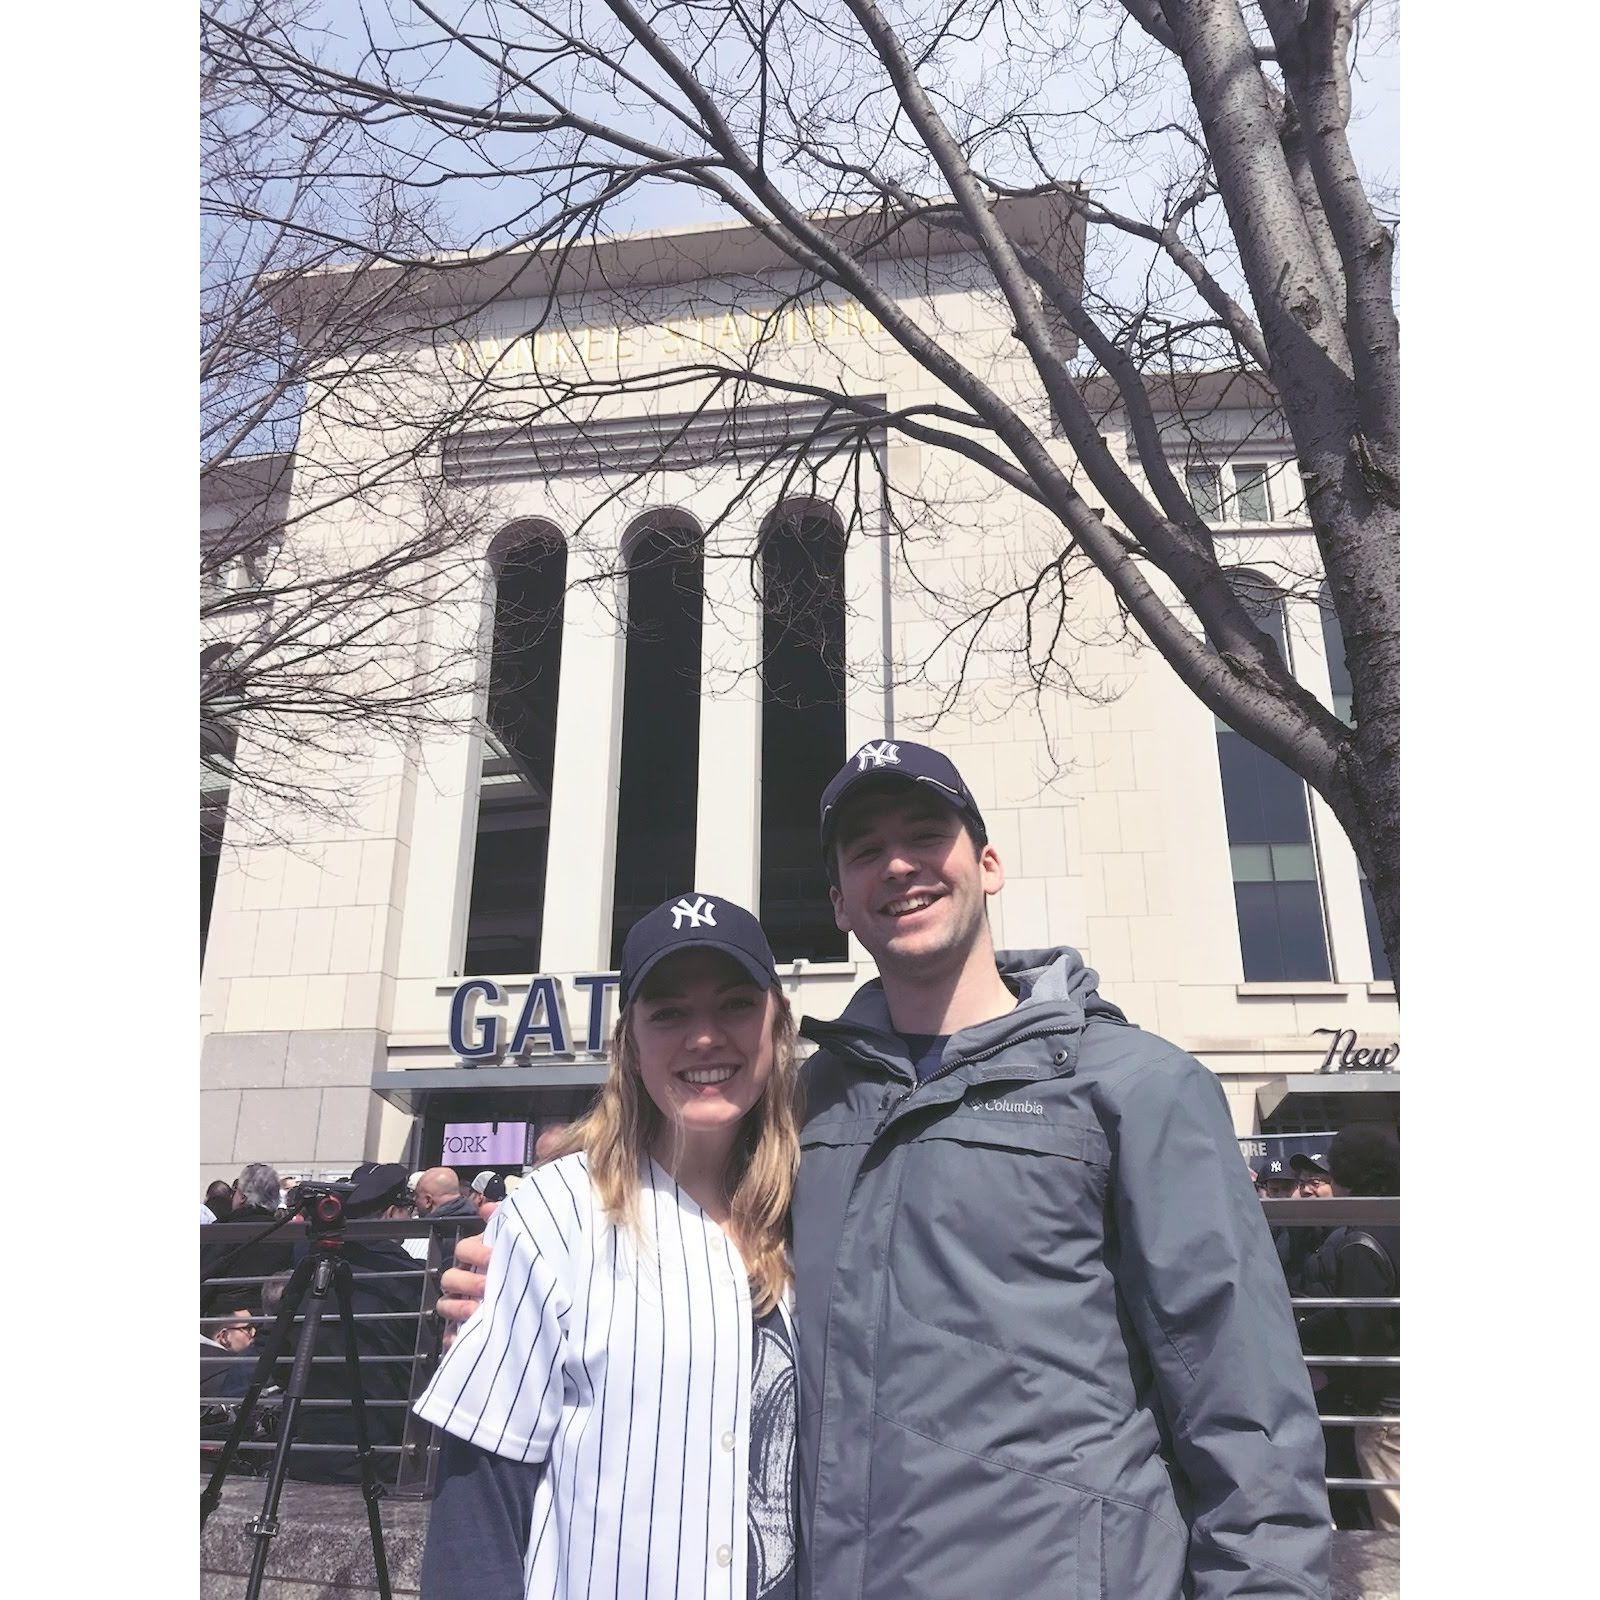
{"points": [[438, 1194], [489, 1188], [1361, 1263], [1293, 1244], [437, 1198], [254, 1200], [223, 1345], [1312, 1179], [548, 1145], [272, 1293], [219, 1199]]}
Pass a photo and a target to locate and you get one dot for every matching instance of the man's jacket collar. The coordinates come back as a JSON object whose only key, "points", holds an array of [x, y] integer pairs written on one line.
{"points": [[1056, 996]]}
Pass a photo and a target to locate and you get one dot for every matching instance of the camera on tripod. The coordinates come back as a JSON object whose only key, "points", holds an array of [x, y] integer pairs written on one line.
{"points": [[327, 1202], [320, 1281], [323, 1205]]}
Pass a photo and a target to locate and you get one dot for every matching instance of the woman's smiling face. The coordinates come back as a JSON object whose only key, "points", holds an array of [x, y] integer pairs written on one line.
{"points": [[702, 1029]]}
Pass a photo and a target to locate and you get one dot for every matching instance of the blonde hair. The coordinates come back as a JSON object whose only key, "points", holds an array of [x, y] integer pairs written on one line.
{"points": [[616, 1136]]}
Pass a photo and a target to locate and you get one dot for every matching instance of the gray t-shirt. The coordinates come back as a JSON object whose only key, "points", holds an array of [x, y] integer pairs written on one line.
{"points": [[772, 1497]]}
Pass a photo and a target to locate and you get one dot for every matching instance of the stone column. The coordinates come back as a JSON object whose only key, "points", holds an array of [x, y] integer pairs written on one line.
{"points": [[727, 856], [580, 875]]}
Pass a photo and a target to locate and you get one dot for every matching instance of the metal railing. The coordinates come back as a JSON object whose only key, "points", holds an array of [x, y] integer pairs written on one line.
{"points": [[1340, 1212], [412, 1463], [408, 1467]]}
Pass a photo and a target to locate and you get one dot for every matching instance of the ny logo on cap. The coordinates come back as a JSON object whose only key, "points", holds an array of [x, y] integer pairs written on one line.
{"points": [[700, 914], [882, 754]]}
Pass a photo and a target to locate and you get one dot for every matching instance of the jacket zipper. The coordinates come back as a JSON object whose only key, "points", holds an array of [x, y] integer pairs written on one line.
{"points": [[889, 1105]]}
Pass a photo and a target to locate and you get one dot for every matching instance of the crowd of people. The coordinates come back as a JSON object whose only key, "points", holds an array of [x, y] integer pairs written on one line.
{"points": [[1349, 1263], [243, 1283]]}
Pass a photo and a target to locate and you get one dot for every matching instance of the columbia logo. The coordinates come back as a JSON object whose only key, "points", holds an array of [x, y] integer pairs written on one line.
{"points": [[1030, 1108]]}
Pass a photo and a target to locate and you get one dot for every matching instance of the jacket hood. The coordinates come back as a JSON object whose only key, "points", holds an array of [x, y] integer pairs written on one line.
{"points": [[1056, 995], [1054, 977]]}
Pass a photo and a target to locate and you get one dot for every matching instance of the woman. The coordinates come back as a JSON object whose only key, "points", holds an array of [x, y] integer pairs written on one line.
{"points": [[624, 1397]]}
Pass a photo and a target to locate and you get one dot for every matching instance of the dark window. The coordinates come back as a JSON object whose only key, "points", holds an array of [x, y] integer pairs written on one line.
{"points": [[660, 772], [508, 865], [218, 741], [802, 727], [209, 859], [1282, 932], [1344, 708]]}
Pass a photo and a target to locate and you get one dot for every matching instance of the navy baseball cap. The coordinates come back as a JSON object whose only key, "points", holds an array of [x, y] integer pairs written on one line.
{"points": [[490, 1185], [694, 921], [881, 762], [378, 1184]]}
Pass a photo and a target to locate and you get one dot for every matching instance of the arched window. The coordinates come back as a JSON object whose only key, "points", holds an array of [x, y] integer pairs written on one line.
{"points": [[1282, 929], [1344, 708], [660, 769], [802, 723], [508, 864]]}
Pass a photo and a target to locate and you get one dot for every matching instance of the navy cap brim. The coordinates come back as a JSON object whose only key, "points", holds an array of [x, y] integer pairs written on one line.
{"points": [[867, 782], [762, 977]]}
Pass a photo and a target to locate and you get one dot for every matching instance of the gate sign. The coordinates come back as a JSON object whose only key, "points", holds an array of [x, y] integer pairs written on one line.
{"points": [[1267, 1154], [491, 1143], [542, 1021]]}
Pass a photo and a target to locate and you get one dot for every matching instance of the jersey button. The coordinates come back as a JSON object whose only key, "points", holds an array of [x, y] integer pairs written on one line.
{"points": [[727, 1441], [724, 1556]]}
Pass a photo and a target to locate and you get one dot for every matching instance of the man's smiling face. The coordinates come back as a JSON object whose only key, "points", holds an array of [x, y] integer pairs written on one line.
{"points": [[911, 880]]}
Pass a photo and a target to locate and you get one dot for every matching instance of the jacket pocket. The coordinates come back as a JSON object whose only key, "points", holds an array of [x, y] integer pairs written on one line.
{"points": [[999, 1232], [831, 1153], [1070, 1140], [1092, 1550], [836, 1132]]}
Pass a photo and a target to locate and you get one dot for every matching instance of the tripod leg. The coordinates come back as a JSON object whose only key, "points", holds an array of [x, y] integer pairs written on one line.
{"points": [[265, 1526], [371, 1489], [276, 1341]]}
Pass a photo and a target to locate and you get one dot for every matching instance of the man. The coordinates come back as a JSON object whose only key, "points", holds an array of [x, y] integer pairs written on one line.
{"points": [[219, 1200], [438, 1197], [1045, 1342], [1293, 1245], [489, 1189], [1361, 1263], [550, 1138], [438, 1194], [224, 1371], [1312, 1179], [253, 1200]]}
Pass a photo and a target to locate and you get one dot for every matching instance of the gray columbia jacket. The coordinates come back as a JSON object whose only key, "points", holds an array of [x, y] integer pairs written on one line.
{"points": [[1045, 1343]]}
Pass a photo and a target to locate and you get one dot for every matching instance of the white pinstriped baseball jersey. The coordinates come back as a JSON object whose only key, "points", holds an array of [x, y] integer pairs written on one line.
{"points": [[628, 1373]]}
